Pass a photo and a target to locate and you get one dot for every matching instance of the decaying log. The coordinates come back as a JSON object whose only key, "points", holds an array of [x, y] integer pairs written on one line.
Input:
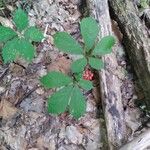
{"points": [[142, 142], [136, 41], [109, 82]]}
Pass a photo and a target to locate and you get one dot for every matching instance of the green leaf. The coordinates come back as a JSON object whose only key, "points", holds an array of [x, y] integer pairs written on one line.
{"points": [[85, 84], [10, 51], [17, 48], [78, 76], [77, 105], [26, 49], [20, 19], [89, 31], [33, 34], [104, 46], [58, 102], [66, 43], [55, 79], [6, 34], [78, 65], [96, 63]]}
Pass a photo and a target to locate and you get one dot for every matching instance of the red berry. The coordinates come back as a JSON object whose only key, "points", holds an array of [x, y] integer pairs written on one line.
{"points": [[87, 75]]}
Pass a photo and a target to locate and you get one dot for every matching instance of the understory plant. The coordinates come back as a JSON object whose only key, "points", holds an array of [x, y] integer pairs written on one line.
{"points": [[18, 42], [69, 96]]}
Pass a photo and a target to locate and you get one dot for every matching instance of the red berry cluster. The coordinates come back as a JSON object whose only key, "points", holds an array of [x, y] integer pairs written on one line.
{"points": [[87, 75]]}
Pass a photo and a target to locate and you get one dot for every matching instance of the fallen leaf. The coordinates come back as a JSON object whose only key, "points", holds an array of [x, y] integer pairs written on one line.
{"points": [[7, 110], [41, 144], [61, 64]]}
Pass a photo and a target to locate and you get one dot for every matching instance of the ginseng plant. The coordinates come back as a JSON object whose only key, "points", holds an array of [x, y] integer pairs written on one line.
{"points": [[18, 42], [69, 96]]}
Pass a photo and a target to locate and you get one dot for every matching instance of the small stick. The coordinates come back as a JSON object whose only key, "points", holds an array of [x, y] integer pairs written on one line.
{"points": [[46, 28], [26, 95]]}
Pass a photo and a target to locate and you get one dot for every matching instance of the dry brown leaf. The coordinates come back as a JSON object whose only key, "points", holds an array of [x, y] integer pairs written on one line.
{"points": [[61, 64], [7, 110], [41, 144], [17, 70]]}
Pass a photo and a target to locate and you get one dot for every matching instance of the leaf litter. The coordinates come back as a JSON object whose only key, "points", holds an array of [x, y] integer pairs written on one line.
{"points": [[30, 126], [38, 129]]}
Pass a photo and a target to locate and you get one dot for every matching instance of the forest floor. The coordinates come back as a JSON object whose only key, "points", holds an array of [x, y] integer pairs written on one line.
{"points": [[25, 123]]}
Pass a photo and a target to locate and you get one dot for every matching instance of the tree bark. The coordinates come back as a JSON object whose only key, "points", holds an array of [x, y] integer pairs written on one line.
{"points": [[109, 82], [136, 41]]}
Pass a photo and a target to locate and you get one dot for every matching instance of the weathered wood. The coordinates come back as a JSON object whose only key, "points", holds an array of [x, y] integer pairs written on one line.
{"points": [[109, 82], [136, 40], [142, 142]]}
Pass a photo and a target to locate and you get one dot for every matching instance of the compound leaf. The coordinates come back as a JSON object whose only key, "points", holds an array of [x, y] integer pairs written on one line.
{"points": [[85, 84], [78, 65], [55, 79], [33, 34], [6, 34], [66, 43], [89, 31], [77, 105], [20, 19], [104, 46], [58, 102], [96, 63]]}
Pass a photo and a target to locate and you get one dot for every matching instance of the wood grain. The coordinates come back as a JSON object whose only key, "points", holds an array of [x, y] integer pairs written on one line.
{"points": [[109, 82]]}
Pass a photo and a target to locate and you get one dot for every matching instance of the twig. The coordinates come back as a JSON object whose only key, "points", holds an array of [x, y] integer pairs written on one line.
{"points": [[46, 28], [26, 95]]}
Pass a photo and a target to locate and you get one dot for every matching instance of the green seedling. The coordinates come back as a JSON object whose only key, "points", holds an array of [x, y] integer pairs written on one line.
{"points": [[19, 43], [69, 97]]}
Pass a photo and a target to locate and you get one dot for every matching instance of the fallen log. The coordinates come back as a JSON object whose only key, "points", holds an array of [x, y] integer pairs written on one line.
{"points": [[142, 142], [109, 82], [136, 41]]}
